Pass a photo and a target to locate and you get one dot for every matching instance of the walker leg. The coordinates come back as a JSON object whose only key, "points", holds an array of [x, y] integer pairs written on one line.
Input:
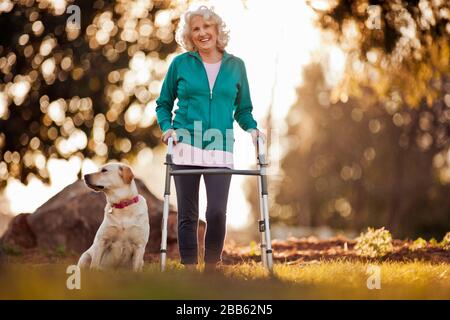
{"points": [[165, 216], [261, 226], [264, 225], [269, 255], [164, 232]]}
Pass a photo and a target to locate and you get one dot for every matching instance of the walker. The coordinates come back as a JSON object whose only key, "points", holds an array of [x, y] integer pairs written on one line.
{"points": [[261, 172]]}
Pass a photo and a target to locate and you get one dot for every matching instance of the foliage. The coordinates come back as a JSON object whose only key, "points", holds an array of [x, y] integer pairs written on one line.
{"points": [[80, 92], [255, 250], [372, 150], [433, 243], [444, 244], [403, 45], [374, 243], [60, 250], [400, 51], [446, 241], [419, 243], [11, 250], [356, 163]]}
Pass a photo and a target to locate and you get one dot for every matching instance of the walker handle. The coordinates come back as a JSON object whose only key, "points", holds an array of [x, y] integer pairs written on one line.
{"points": [[170, 145], [260, 145]]}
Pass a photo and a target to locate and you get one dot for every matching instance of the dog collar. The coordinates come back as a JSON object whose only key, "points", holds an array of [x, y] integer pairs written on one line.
{"points": [[125, 203]]}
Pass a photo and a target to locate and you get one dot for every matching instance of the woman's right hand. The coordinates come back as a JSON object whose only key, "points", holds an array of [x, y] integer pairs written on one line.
{"points": [[169, 133]]}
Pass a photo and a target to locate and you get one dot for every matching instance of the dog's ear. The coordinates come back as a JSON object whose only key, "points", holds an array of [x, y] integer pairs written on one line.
{"points": [[127, 174]]}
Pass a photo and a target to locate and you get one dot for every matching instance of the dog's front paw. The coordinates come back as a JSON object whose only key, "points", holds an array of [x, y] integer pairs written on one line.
{"points": [[137, 267], [96, 267]]}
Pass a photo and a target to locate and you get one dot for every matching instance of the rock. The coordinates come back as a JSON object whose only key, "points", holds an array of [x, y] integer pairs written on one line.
{"points": [[19, 232], [71, 218], [4, 221]]}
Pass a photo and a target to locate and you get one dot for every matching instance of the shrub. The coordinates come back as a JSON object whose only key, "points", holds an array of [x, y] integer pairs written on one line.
{"points": [[10, 249], [60, 250], [433, 243], [446, 241], [374, 243], [254, 249], [419, 243]]}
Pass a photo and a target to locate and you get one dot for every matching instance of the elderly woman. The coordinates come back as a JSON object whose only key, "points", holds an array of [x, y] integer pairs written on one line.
{"points": [[212, 89]]}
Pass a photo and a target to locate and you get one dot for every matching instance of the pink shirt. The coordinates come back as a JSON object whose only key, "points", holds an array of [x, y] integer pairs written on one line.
{"points": [[185, 154], [212, 69]]}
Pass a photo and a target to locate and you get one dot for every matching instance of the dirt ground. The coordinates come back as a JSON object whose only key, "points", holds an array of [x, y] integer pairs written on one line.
{"points": [[291, 251], [300, 250]]}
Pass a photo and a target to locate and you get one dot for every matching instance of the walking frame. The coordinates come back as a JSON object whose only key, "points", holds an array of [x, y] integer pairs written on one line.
{"points": [[261, 173]]}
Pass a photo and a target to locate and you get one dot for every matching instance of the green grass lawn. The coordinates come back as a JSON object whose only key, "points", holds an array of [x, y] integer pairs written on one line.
{"points": [[322, 280]]}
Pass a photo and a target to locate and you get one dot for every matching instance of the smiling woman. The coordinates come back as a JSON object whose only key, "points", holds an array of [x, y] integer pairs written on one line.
{"points": [[203, 30], [212, 90], [204, 35]]}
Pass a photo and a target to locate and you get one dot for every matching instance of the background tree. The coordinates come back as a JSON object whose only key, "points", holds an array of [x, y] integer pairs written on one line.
{"points": [[401, 50], [351, 165], [86, 92], [396, 46], [373, 150]]}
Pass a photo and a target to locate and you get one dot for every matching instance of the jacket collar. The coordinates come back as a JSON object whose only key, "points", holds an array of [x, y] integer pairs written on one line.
{"points": [[195, 54]]}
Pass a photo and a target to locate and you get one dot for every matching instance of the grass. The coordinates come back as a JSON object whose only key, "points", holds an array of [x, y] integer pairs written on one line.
{"points": [[11, 250], [322, 280]]}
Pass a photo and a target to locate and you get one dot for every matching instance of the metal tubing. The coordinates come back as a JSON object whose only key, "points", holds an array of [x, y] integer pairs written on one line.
{"points": [[269, 255], [261, 226], [264, 225], [264, 205], [164, 232], [214, 171], [165, 216]]}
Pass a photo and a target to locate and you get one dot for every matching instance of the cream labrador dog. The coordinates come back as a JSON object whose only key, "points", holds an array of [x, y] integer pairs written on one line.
{"points": [[121, 239]]}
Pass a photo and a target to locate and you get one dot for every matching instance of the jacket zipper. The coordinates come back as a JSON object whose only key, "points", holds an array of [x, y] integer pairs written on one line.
{"points": [[217, 78], [211, 89], [210, 95], [214, 85]]}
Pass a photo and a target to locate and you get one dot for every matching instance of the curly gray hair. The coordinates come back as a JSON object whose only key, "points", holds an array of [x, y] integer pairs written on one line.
{"points": [[183, 34]]}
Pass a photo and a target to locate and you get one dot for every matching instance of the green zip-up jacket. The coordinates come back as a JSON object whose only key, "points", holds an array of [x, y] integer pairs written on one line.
{"points": [[200, 107]]}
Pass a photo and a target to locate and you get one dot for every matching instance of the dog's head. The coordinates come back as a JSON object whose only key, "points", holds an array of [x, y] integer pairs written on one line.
{"points": [[109, 177]]}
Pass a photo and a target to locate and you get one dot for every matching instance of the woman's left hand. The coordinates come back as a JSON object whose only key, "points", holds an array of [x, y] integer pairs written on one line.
{"points": [[255, 134]]}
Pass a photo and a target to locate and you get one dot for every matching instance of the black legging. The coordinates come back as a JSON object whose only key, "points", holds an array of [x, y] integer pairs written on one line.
{"points": [[187, 186]]}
